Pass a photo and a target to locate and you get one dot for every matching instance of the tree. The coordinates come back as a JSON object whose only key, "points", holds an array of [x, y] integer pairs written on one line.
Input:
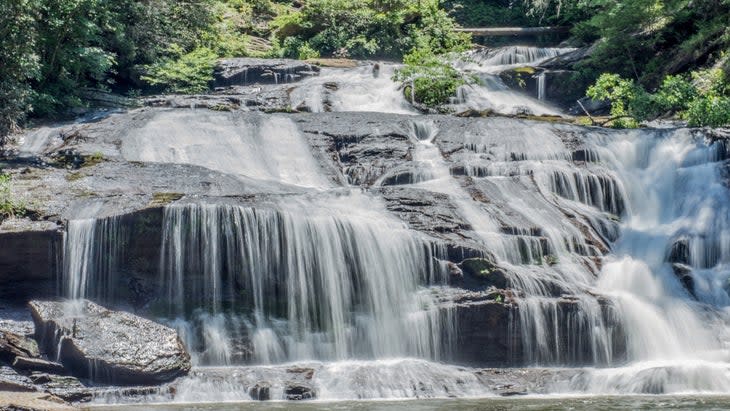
{"points": [[19, 62]]}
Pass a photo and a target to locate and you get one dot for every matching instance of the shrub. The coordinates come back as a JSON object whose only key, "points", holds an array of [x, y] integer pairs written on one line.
{"points": [[709, 110], [9, 206], [369, 28], [702, 102], [620, 93], [183, 72], [675, 93], [429, 79], [306, 52]]}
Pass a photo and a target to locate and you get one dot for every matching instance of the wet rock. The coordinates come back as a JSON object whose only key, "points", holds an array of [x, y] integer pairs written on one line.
{"points": [[307, 372], [679, 252], [10, 380], [13, 345], [65, 387], [37, 364], [243, 71], [296, 391], [260, 392], [484, 272], [109, 346], [28, 262], [593, 107], [568, 60], [683, 273]]}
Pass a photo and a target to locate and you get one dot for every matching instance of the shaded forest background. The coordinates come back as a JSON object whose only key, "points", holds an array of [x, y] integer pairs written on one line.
{"points": [[54, 52]]}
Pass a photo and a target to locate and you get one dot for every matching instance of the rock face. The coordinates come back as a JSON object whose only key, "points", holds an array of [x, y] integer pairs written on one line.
{"points": [[27, 261], [109, 346], [13, 346], [243, 71]]}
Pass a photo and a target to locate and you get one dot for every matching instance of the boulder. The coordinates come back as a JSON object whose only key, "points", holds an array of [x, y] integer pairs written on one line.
{"points": [[14, 345], [14, 382], [37, 364], [261, 391], [109, 346], [680, 251], [683, 273], [296, 391], [65, 387], [244, 71]]}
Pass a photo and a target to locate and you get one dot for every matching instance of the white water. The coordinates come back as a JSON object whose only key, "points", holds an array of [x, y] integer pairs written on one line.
{"points": [[366, 88], [491, 93], [270, 148], [360, 89], [335, 280]]}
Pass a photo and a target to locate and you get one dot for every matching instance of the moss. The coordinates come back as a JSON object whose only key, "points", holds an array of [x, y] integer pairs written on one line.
{"points": [[335, 63], [71, 177], [92, 160], [221, 107], [159, 199]]}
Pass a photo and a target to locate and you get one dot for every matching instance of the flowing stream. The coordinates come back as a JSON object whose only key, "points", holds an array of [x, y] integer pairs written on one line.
{"points": [[616, 245]]}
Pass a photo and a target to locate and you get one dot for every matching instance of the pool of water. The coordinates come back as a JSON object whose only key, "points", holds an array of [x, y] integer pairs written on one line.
{"points": [[646, 402]]}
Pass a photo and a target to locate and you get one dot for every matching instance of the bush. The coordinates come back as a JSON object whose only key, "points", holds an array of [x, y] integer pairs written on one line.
{"points": [[704, 101], [368, 28], [185, 72], [306, 52], [428, 79], [709, 110], [9, 206], [675, 93], [620, 93]]}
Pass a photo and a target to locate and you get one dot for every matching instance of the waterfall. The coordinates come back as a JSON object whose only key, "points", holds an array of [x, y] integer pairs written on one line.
{"points": [[491, 92], [308, 288], [541, 86], [93, 252], [614, 247], [266, 148], [354, 89], [262, 285]]}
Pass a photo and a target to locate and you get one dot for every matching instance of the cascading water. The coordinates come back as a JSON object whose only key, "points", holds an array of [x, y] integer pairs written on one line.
{"points": [[316, 287], [677, 330], [490, 92], [614, 246], [541, 86], [371, 87], [365, 88]]}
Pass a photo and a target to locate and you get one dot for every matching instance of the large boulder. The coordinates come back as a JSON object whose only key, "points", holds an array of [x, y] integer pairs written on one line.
{"points": [[108, 346], [14, 345], [245, 71]]}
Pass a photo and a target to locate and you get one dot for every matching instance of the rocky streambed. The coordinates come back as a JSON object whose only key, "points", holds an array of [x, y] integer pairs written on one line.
{"points": [[436, 246]]}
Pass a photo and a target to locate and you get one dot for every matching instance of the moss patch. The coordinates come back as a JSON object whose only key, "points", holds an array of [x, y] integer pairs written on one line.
{"points": [[160, 199]]}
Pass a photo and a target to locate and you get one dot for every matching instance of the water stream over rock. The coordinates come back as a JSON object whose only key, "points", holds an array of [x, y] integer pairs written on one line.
{"points": [[382, 254]]}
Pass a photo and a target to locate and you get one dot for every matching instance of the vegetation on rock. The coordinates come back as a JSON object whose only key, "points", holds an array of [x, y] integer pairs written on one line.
{"points": [[9, 205], [702, 98]]}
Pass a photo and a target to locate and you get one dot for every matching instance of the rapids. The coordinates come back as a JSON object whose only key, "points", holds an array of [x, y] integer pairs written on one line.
{"points": [[615, 246]]}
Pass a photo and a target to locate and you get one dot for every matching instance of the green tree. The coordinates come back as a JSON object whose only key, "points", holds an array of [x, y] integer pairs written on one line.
{"points": [[18, 62]]}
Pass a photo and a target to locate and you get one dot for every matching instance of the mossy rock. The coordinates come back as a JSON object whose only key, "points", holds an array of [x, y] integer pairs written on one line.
{"points": [[160, 199], [485, 271]]}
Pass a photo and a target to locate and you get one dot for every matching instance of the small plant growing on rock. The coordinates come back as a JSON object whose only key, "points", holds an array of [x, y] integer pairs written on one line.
{"points": [[551, 259], [9, 206]]}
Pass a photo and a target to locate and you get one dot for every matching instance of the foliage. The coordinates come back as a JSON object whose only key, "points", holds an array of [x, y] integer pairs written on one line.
{"points": [[19, 63], [9, 206], [620, 92], [703, 101], [429, 79], [183, 72], [368, 28], [710, 110]]}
